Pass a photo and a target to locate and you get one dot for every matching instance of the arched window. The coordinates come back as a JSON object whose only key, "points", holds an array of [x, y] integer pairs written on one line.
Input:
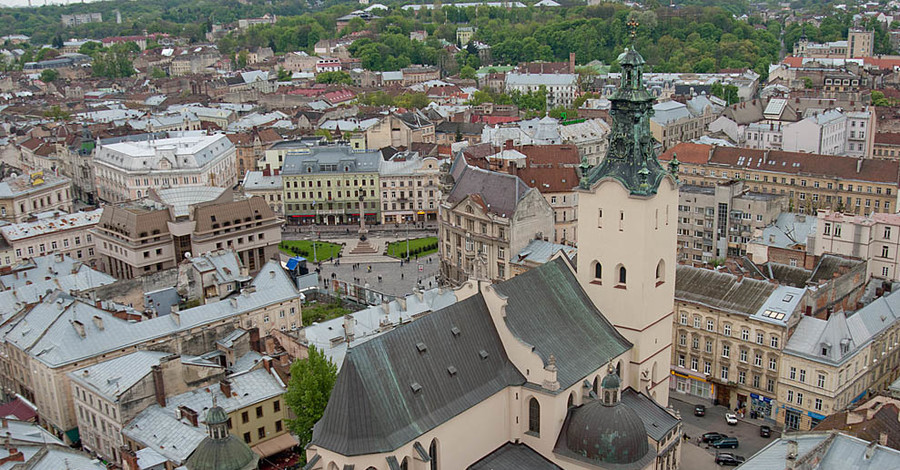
{"points": [[606, 397], [660, 272], [622, 276], [405, 464], [571, 402], [596, 384], [433, 454], [598, 270], [534, 416]]}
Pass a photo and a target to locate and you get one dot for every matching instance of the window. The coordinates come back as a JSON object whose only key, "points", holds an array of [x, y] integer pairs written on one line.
{"points": [[707, 368], [757, 360], [743, 355], [742, 377], [247, 437], [683, 318], [695, 343], [818, 404], [774, 341], [682, 340], [799, 398], [710, 325], [793, 373], [724, 372], [697, 321], [887, 232], [278, 425], [622, 275], [261, 432], [726, 330], [276, 406], [745, 334], [726, 350], [694, 363], [259, 412], [598, 271], [821, 381], [681, 360], [755, 381], [760, 338], [884, 251], [245, 417], [709, 346], [790, 396], [802, 375], [534, 416], [773, 363]]}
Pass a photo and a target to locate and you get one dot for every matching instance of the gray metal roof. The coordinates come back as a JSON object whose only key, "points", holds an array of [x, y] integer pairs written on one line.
{"points": [[840, 452], [501, 192], [540, 252], [721, 290], [311, 162], [113, 377], [788, 230], [512, 456], [657, 421], [548, 309], [395, 387]]}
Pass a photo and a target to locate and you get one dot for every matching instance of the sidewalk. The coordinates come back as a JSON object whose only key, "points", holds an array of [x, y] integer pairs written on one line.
{"points": [[692, 401]]}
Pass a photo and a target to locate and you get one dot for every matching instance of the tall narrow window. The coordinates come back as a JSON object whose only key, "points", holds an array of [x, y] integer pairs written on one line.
{"points": [[660, 272], [534, 416], [598, 271], [622, 275], [433, 454]]}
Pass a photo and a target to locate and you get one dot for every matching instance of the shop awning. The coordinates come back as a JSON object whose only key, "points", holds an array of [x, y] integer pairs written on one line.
{"points": [[276, 445], [73, 436]]}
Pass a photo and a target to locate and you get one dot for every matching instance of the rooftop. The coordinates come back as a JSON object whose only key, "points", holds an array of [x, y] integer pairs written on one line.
{"points": [[331, 159], [180, 150], [116, 376], [17, 186], [50, 224], [831, 451]]}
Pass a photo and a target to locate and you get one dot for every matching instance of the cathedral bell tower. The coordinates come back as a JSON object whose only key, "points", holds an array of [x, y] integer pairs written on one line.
{"points": [[627, 227]]}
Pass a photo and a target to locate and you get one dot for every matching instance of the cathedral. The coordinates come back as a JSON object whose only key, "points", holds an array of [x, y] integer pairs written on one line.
{"points": [[562, 367]]}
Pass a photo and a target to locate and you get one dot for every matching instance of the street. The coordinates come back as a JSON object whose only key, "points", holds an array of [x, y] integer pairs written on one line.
{"points": [[696, 456]]}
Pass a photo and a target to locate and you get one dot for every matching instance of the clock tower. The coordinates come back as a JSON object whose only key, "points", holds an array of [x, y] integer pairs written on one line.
{"points": [[627, 210]]}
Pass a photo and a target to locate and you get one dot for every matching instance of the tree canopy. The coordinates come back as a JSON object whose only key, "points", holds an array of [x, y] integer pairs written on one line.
{"points": [[308, 391]]}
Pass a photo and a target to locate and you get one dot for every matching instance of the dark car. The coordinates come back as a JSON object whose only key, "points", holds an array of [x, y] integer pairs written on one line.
{"points": [[728, 459], [700, 410], [712, 437], [765, 431], [726, 443]]}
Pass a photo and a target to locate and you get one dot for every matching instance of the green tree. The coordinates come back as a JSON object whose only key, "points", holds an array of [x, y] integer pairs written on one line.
{"points": [[49, 75], [467, 73], [157, 72], [412, 100], [57, 114], [242, 59], [283, 75], [339, 76], [309, 388]]}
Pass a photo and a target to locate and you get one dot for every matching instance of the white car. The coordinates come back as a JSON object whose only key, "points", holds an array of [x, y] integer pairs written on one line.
{"points": [[731, 418]]}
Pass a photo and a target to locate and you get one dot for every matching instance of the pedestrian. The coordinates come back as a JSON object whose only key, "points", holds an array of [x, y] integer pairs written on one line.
{"points": [[379, 278], [401, 275], [401, 263]]}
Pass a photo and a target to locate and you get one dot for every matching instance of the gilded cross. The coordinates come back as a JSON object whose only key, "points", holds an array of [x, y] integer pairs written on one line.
{"points": [[632, 26]]}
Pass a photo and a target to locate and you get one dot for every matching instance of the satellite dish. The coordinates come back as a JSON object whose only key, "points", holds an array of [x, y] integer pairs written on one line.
{"points": [[187, 255]]}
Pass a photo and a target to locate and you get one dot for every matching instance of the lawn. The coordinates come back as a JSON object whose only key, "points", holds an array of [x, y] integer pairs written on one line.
{"points": [[324, 250], [417, 246], [319, 312]]}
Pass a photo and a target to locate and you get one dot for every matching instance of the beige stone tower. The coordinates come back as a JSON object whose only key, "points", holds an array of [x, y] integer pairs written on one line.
{"points": [[627, 210]]}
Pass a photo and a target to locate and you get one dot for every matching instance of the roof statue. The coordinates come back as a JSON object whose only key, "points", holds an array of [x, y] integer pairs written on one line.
{"points": [[631, 158]]}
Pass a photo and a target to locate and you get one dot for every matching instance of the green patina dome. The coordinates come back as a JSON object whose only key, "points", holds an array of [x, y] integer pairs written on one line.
{"points": [[222, 454], [607, 434], [221, 450], [216, 415], [630, 57], [610, 381]]}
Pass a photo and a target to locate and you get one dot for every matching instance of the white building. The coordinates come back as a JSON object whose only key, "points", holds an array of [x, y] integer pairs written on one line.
{"points": [[127, 169], [824, 133], [561, 87], [590, 137], [874, 238], [54, 232]]}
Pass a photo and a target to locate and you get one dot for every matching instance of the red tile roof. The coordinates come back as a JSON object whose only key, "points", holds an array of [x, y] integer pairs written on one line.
{"points": [[887, 138], [19, 409], [549, 180], [688, 153], [850, 168], [555, 155]]}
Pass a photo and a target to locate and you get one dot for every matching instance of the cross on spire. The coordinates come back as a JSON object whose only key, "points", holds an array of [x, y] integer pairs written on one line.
{"points": [[632, 27]]}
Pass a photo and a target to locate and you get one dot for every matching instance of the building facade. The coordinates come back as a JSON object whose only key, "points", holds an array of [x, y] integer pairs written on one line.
{"points": [[331, 185], [25, 195], [129, 169], [875, 238], [69, 234], [409, 189]]}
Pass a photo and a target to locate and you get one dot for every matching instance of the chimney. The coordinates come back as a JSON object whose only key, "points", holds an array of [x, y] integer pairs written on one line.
{"points": [[349, 332], [267, 364], [870, 450], [571, 62], [225, 385], [859, 164], [386, 305], [792, 450], [79, 328], [401, 301], [98, 322], [4, 423], [508, 145], [159, 386], [882, 439], [176, 316]]}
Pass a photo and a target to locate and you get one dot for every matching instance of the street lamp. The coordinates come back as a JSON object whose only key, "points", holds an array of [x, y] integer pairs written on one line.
{"points": [[315, 214]]}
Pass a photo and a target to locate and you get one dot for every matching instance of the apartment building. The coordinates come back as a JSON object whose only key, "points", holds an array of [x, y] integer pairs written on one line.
{"points": [[485, 219], [331, 185], [109, 394], [824, 133], [590, 137], [675, 122], [250, 147], [127, 169], [22, 196], [886, 146], [409, 189], [830, 364], [153, 234], [267, 186], [874, 238], [561, 87], [53, 232], [552, 170], [810, 181], [400, 130], [718, 222], [731, 331], [61, 334]]}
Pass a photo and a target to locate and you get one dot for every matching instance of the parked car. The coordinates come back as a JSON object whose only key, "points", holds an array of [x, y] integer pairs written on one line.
{"points": [[712, 437], [700, 410], [765, 431], [726, 443], [726, 458], [731, 419]]}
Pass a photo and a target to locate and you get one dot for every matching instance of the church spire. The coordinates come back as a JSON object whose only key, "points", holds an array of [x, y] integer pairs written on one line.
{"points": [[631, 157]]}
